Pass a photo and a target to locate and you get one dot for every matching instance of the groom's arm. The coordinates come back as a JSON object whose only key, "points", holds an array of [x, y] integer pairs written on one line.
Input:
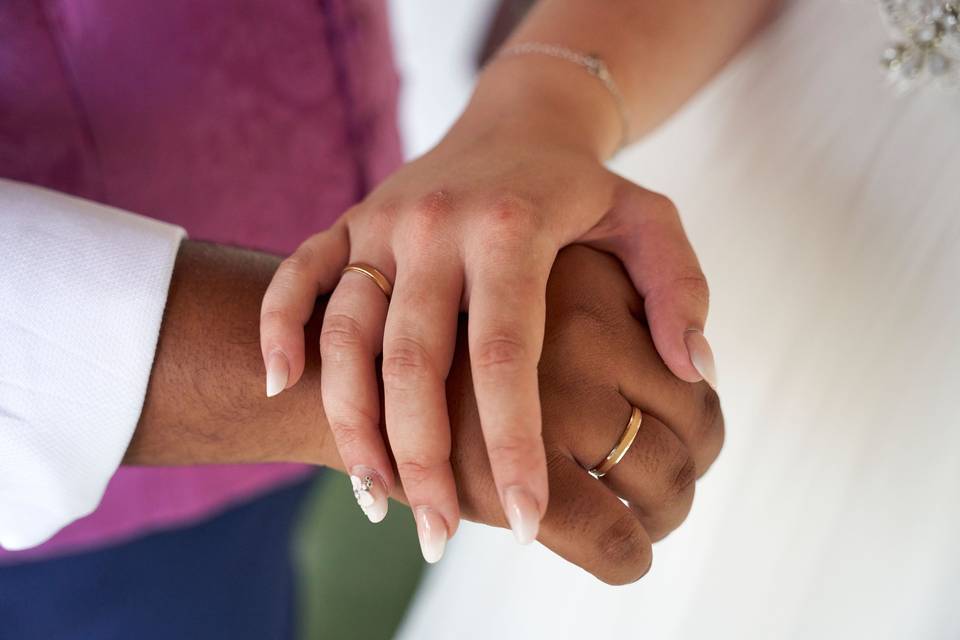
{"points": [[83, 294], [205, 401]]}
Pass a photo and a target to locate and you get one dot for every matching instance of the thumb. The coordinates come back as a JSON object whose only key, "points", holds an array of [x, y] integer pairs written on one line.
{"points": [[644, 231]]}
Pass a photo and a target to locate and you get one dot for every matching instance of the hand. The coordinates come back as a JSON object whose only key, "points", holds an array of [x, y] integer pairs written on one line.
{"points": [[598, 362], [473, 225], [598, 359]]}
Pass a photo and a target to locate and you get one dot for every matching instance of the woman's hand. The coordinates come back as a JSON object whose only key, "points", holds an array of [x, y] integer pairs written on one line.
{"points": [[598, 362], [474, 225]]}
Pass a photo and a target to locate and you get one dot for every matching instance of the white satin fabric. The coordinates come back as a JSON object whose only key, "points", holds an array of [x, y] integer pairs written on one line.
{"points": [[826, 212], [82, 295]]}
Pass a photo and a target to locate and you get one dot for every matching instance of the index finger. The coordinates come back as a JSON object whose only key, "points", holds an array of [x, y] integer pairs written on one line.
{"points": [[289, 301]]}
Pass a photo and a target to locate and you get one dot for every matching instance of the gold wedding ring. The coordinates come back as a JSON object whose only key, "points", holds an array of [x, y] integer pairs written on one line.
{"points": [[616, 455], [373, 273]]}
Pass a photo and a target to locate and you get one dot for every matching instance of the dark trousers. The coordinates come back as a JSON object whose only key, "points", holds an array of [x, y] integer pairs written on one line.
{"points": [[229, 577]]}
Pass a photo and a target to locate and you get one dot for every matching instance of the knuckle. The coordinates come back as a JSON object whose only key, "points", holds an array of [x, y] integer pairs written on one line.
{"points": [[429, 216], [346, 434], [623, 547], [275, 317], [405, 362], [586, 317], [515, 450], [499, 352], [416, 471], [436, 204], [685, 286], [693, 285], [660, 205], [510, 219], [351, 430], [709, 434], [340, 336], [295, 266], [676, 500], [679, 482]]}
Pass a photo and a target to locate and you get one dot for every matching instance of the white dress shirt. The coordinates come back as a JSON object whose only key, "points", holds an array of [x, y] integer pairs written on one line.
{"points": [[81, 301]]}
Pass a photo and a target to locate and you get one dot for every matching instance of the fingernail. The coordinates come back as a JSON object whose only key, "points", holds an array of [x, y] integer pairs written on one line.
{"points": [[522, 514], [433, 534], [701, 355], [370, 492], [278, 370]]}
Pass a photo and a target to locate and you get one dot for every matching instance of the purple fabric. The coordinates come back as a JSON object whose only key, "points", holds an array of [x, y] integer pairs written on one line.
{"points": [[248, 122]]}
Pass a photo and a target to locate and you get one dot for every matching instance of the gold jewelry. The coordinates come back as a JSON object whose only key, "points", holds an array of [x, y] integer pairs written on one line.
{"points": [[616, 455], [592, 63], [373, 273]]}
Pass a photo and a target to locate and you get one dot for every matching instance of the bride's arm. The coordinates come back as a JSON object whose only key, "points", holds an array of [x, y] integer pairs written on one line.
{"points": [[204, 403], [475, 224], [659, 52]]}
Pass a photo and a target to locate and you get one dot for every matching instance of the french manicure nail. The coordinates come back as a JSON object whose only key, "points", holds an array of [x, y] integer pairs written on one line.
{"points": [[370, 492], [522, 514], [433, 534], [701, 355], [278, 371]]}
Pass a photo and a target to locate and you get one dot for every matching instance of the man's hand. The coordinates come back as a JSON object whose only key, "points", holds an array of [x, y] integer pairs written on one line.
{"points": [[598, 362], [204, 406]]}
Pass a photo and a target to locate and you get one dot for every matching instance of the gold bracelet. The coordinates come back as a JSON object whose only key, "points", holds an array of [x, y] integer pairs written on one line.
{"points": [[594, 65]]}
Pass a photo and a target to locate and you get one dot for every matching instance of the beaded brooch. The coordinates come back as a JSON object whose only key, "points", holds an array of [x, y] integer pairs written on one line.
{"points": [[926, 48]]}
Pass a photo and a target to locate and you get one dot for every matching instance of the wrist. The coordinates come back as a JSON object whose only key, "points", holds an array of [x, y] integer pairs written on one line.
{"points": [[308, 436], [539, 98], [205, 402]]}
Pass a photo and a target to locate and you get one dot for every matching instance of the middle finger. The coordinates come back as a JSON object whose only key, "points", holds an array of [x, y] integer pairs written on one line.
{"points": [[419, 341]]}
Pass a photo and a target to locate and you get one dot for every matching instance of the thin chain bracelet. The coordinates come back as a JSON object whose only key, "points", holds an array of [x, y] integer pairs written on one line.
{"points": [[593, 64]]}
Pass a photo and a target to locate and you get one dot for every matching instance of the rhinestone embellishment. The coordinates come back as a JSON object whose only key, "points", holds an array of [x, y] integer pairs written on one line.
{"points": [[926, 46], [361, 490]]}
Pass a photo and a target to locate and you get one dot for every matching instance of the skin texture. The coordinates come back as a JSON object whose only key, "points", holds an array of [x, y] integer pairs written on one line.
{"points": [[598, 359], [475, 224], [203, 403]]}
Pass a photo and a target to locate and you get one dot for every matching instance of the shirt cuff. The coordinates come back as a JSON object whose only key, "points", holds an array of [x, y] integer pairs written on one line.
{"points": [[82, 294]]}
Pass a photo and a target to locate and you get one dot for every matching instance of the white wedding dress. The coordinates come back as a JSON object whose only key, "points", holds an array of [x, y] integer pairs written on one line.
{"points": [[825, 208]]}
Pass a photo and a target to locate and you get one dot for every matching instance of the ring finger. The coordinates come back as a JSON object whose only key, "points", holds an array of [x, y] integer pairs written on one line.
{"points": [[350, 341], [656, 475]]}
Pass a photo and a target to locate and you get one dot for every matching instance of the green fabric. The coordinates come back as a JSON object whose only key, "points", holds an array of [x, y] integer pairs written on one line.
{"points": [[356, 578]]}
